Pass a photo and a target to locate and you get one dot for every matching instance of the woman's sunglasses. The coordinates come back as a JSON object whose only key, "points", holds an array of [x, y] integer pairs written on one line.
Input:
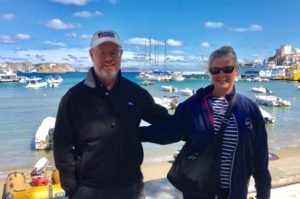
{"points": [[225, 69]]}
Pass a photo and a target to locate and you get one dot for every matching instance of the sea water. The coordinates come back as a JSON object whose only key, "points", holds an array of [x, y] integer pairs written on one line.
{"points": [[22, 110]]}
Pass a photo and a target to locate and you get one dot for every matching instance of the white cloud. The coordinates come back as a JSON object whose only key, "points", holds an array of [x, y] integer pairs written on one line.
{"points": [[172, 42], [137, 41], [239, 29], [205, 45], [55, 43], [211, 24], [86, 14], [255, 28], [72, 2], [6, 39], [60, 25], [251, 28], [71, 35], [114, 2], [85, 37], [59, 55], [23, 37], [8, 16]]}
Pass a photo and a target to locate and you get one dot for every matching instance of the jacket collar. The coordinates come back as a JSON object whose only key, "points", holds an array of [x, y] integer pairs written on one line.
{"points": [[207, 91]]}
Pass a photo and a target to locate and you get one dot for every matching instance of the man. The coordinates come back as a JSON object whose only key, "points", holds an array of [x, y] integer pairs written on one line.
{"points": [[97, 147]]}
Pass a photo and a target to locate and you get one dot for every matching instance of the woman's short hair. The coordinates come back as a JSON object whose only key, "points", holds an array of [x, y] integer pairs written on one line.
{"points": [[221, 52]]}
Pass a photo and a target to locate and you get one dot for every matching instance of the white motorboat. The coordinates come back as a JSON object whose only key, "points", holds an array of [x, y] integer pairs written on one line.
{"points": [[36, 83], [298, 87], [147, 83], [269, 119], [271, 100], [8, 76], [40, 166], [53, 82], [187, 92], [170, 89], [23, 79], [44, 134], [167, 102], [177, 76], [261, 89]]}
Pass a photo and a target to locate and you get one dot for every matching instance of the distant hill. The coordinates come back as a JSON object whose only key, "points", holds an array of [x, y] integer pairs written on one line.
{"points": [[41, 68], [55, 68], [25, 66]]}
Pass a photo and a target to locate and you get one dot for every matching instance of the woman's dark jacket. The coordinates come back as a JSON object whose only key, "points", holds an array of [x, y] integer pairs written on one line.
{"points": [[96, 137], [193, 121]]}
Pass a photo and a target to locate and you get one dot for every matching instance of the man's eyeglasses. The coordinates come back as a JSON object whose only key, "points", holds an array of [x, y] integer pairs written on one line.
{"points": [[115, 54], [225, 69]]}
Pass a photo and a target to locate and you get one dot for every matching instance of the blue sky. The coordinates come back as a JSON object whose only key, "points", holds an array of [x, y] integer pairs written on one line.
{"points": [[60, 30]]}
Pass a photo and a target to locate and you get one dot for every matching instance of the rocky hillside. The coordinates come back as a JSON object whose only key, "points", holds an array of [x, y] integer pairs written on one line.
{"points": [[25, 66], [41, 68], [54, 68]]}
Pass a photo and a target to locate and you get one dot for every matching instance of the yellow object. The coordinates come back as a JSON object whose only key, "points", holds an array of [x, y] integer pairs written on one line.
{"points": [[19, 186]]}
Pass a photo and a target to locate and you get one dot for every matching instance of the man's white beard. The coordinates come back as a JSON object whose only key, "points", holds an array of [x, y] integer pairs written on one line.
{"points": [[108, 75]]}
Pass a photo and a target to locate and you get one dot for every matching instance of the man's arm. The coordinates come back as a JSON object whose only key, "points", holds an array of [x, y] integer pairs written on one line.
{"points": [[261, 172], [63, 149], [168, 129]]}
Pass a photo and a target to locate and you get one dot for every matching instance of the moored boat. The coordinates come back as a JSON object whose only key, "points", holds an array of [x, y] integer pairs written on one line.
{"points": [[170, 102], [147, 83], [53, 82], [170, 89], [269, 119], [187, 92], [8, 76], [271, 100], [36, 83], [44, 134], [261, 89]]}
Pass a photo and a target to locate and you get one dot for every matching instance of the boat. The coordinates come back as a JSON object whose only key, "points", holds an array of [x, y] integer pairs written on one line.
{"points": [[53, 82], [269, 119], [273, 156], [177, 76], [187, 92], [36, 83], [261, 89], [169, 102], [44, 134], [170, 89], [46, 184], [271, 101], [8, 76], [147, 83], [298, 87], [40, 166], [23, 79]]}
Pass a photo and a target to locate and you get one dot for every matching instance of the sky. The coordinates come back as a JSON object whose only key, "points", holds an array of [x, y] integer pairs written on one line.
{"points": [[185, 31]]}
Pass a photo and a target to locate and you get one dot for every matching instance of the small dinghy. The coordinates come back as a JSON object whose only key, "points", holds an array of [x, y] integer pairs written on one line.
{"points": [[41, 183]]}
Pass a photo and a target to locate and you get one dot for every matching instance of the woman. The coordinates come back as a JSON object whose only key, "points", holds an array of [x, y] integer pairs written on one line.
{"points": [[244, 150]]}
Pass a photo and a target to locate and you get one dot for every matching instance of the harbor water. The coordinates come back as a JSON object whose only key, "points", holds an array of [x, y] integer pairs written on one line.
{"points": [[22, 111]]}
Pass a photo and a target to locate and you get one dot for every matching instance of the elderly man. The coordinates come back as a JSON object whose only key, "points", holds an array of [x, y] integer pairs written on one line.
{"points": [[97, 147]]}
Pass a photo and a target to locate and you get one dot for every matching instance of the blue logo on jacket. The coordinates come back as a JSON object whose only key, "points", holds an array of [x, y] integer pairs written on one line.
{"points": [[130, 104]]}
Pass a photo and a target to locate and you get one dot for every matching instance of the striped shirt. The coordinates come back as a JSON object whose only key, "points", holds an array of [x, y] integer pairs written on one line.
{"points": [[230, 139]]}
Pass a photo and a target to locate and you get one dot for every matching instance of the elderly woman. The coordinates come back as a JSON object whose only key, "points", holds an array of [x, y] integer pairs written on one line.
{"points": [[244, 149]]}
